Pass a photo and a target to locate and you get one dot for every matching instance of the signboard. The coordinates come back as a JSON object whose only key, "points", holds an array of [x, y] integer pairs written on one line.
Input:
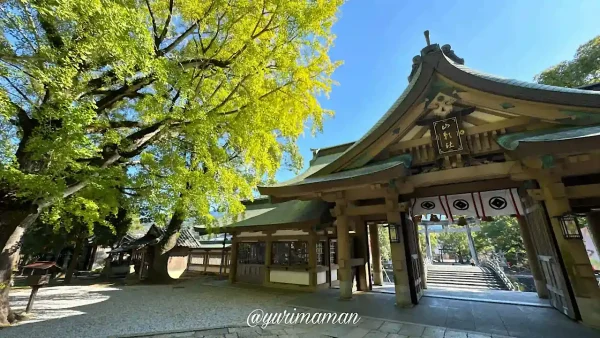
{"points": [[448, 136]]}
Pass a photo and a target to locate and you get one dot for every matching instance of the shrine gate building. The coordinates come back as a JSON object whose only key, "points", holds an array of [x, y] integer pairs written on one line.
{"points": [[455, 142]]}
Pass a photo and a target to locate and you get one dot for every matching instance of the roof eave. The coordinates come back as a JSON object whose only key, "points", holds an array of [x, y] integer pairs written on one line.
{"points": [[578, 145], [299, 190], [454, 73], [389, 121]]}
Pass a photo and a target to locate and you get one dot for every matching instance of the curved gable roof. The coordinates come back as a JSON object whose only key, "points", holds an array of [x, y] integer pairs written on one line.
{"points": [[517, 89], [432, 61]]}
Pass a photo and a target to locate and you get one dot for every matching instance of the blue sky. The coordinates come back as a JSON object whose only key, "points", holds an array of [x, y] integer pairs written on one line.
{"points": [[377, 39]]}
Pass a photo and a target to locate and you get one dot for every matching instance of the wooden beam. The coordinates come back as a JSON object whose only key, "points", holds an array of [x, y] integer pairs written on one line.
{"points": [[354, 210], [460, 175], [410, 144], [375, 218], [474, 120], [463, 188], [583, 191], [506, 115], [420, 133], [508, 123]]}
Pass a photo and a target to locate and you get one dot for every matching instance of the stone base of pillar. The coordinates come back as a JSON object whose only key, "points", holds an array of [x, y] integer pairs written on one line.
{"points": [[590, 311], [403, 299], [377, 278], [541, 289], [346, 290]]}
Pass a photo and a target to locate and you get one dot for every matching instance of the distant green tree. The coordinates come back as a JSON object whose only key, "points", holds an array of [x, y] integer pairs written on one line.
{"points": [[455, 242], [583, 69], [384, 243], [501, 235], [433, 241], [49, 235]]}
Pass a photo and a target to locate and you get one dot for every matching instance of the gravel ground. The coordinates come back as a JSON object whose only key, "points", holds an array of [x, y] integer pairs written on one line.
{"points": [[96, 311]]}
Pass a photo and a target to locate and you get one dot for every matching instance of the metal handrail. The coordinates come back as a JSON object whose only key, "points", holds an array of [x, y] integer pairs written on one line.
{"points": [[494, 264]]}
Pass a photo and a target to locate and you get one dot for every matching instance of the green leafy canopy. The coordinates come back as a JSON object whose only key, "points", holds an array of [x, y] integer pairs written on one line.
{"points": [[187, 104], [583, 69]]}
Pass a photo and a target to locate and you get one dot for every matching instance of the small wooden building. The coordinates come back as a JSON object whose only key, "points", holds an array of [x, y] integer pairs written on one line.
{"points": [[288, 245], [213, 256], [130, 257]]}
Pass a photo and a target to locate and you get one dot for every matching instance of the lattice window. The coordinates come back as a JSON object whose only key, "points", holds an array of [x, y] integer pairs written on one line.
{"points": [[251, 253], [333, 252], [321, 252], [214, 259], [290, 253], [197, 259]]}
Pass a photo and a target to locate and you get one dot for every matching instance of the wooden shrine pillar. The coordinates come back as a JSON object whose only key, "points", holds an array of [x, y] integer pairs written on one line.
{"points": [[206, 258], [532, 257], [428, 249], [400, 266], [574, 255], [268, 258], [234, 263], [376, 254], [343, 246], [362, 252], [312, 260], [422, 262], [593, 218]]}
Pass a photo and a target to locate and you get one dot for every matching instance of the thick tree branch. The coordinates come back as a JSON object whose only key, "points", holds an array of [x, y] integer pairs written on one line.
{"points": [[233, 91], [202, 63], [166, 27], [128, 90], [52, 33], [154, 28], [113, 125], [16, 88], [275, 90], [212, 40], [142, 138], [178, 40]]}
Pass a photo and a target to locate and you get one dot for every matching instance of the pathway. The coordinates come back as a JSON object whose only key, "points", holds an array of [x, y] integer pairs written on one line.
{"points": [[188, 308]]}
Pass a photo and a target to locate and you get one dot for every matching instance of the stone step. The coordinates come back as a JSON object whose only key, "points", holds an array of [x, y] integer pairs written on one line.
{"points": [[461, 272], [463, 277], [466, 284], [466, 287], [460, 276]]}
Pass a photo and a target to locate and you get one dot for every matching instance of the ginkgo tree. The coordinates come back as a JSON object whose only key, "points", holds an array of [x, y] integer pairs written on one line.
{"points": [[198, 99]]}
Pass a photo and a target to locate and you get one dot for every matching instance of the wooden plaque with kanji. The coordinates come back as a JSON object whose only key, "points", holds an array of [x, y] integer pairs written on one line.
{"points": [[448, 137]]}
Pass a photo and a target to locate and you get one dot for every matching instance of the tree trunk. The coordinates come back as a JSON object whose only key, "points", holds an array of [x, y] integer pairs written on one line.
{"points": [[90, 262], [7, 259], [158, 271], [74, 260], [15, 217]]}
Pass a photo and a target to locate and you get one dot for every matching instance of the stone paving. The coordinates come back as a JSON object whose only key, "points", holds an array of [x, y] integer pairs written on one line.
{"points": [[475, 316], [208, 308], [366, 328]]}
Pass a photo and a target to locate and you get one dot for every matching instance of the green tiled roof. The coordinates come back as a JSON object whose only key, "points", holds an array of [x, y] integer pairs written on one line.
{"points": [[519, 83], [389, 112], [404, 160], [284, 213], [511, 141], [315, 166]]}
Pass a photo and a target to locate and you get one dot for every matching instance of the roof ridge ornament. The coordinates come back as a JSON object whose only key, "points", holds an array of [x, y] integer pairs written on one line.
{"points": [[447, 50], [430, 49]]}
